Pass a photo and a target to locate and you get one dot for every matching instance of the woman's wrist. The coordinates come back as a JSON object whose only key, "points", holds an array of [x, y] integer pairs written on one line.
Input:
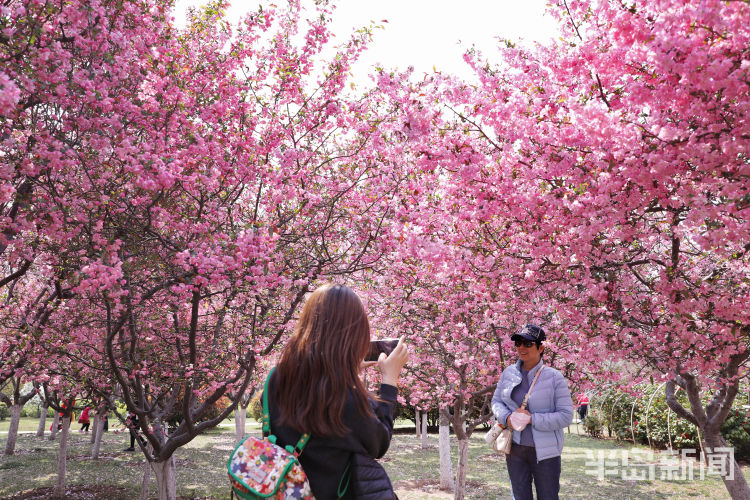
{"points": [[390, 380]]}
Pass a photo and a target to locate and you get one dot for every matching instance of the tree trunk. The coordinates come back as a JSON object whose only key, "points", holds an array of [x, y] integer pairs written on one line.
{"points": [[59, 491], [417, 423], [721, 458], [463, 460], [53, 429], [94, 427], [240, 415], [146, 481], [165, 482], [446, 466], [709, 417], [96, 435], [42, 420], [424, 430], [15, 417]]}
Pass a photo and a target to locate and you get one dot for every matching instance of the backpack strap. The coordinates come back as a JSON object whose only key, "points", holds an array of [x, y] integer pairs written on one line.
{"points": [[347, 474], [296, 450], [266, 417]]}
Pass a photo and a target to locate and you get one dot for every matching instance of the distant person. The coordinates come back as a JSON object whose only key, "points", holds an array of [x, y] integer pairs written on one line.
{"points": [[317, 388], [84, 420], [538, 439], [131, 423], [583, 405], [61, 417]]}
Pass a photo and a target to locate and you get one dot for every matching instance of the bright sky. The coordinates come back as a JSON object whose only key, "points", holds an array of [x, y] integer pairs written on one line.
{"points": [[425, 33]]}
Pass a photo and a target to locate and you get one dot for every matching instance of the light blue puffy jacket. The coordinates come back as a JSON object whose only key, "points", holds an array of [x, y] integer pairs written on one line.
{"points": [[550, 406]]}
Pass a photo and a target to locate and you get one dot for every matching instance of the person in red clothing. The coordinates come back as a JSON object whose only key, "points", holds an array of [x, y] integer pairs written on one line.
{"points": [[583, 405], [84, 420], [62, 415]]}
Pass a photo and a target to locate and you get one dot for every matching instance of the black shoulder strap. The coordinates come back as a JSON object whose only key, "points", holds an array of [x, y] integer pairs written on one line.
{"points": [[346, 475]]}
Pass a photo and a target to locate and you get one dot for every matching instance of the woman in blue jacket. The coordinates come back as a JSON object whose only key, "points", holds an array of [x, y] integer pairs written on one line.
{"points": [[536, 448]]}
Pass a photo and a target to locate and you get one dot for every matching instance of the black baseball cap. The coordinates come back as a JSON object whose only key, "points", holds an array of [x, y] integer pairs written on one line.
{"points": [[530, 332]]}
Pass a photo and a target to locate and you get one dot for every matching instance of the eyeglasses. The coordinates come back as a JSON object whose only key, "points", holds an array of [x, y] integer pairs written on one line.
{"points": [[525, 343]]}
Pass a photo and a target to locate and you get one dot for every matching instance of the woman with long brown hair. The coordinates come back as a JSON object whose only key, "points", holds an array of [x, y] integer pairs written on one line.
{"points": [[316, 388]]}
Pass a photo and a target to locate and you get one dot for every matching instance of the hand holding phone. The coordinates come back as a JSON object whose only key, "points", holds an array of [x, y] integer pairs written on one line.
{"points": [[385, 346], [391, 365]]}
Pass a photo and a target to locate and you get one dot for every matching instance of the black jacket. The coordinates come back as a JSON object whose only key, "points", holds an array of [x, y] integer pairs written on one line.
{"points": [[324, 459], [132, 422]]}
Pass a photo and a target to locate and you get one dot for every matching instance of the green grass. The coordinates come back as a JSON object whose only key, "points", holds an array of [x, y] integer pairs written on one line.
{"points": [[201, 468], [26, 424], [408, 466]]}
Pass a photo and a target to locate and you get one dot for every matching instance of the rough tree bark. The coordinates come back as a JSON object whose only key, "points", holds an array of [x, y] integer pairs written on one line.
{"points": [[60, 485], [446, 466], [96, 435], [463, 408], [94, 423], [15, 418], [42, 420], [53, 429], [165, 480], [463, 460], [710, 418], [163, 467], [146, 481], [458, 420], [240, 416], [15, 402], [424, 430]]}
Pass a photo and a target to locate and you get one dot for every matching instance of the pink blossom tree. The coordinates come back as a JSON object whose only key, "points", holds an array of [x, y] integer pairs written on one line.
{"points": [[29, 302], [15, 402], [216, 179], [61, 397], [618, 159]]}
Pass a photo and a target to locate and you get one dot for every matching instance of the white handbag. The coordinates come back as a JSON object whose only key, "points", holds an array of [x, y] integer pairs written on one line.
{"points": [[499, 438], [492, 434], [503, 441]]}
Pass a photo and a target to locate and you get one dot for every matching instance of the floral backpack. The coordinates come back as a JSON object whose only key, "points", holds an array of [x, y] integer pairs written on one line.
{"points": [[259, 468]]}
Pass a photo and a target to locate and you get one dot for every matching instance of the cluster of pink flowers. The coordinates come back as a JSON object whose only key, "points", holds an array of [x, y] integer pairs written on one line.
{"points": [[169, 197]]}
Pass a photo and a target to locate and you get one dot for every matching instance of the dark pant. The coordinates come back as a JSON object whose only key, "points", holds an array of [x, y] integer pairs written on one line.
{"points": [[582, 410], [523, 468], [135, 434], [85, 427]]}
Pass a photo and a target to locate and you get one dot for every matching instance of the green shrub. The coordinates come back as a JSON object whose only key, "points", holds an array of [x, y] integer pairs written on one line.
{"points": [[593, 424], [613, 409], [618, 416], [31, 410], [736, 430], [255, 409], [604, 401], [4, 411]]}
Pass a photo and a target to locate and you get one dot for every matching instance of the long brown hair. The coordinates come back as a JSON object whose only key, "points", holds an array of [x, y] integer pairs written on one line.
{"points": [[320, 364]]}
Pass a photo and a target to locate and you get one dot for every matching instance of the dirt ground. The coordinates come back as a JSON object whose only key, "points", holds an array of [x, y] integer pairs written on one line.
{"points": [[81, 492]]}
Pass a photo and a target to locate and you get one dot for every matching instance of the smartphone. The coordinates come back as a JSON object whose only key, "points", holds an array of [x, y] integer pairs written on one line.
{"points": [[377, 346]]}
